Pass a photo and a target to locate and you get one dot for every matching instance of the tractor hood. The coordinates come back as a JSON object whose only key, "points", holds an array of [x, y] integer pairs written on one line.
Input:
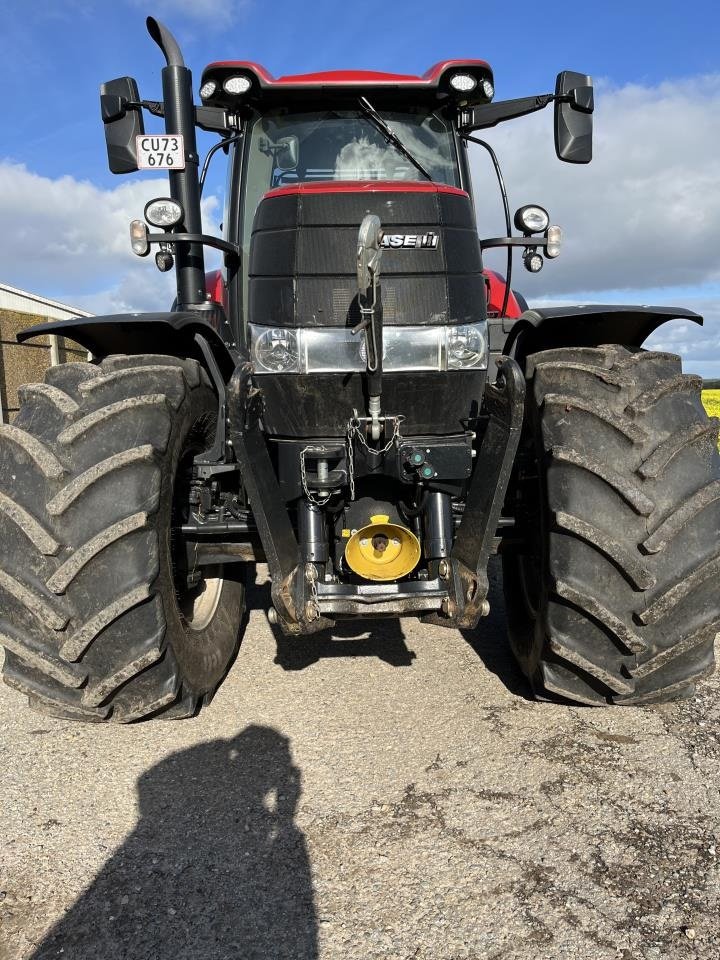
{"points": [[304, 248]]}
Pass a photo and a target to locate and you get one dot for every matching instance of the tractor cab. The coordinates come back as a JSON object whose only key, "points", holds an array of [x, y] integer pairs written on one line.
{"points": [[347, 127]]}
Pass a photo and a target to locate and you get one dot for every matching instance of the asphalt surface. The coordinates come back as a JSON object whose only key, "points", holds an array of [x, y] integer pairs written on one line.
{"points": [[391, 793]]}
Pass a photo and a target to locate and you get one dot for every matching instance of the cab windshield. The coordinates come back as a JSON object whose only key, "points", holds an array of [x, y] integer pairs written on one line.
{"points": [[286, 148]]}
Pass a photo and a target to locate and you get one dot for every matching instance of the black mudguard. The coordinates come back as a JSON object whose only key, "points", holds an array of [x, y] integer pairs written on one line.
{"points": [[163, 333], [545, 328]]}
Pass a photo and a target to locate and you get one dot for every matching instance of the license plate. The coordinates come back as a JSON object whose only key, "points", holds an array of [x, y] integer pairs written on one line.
{"points": [[165, 152]]}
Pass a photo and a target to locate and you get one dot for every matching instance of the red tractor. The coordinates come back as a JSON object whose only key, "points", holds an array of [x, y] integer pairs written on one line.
{"points": [[354, 400]]}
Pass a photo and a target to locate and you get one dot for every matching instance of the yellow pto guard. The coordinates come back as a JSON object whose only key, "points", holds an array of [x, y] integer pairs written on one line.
{"points": [[382, 550]]}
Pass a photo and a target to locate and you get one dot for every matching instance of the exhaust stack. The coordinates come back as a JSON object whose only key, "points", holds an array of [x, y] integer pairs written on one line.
{"points": [[184, 184]]}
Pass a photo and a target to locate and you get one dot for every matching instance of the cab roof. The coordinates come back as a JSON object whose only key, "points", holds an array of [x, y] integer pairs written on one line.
{"points": [[433, 85]]}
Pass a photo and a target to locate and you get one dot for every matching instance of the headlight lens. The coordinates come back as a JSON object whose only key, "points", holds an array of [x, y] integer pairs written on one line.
{"points": [[275, 350], [207, 89], [466, 347], [532, 219], [237, 85], [163, 212], [336, 350], [463, 82]]}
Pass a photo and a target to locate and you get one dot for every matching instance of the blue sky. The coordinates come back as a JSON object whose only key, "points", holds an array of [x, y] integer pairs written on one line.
{"points": [[656, 66]]}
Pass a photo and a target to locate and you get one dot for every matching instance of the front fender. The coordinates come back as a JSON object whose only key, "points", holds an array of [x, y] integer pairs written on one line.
{"points": [[163, 333], [544, 328]]}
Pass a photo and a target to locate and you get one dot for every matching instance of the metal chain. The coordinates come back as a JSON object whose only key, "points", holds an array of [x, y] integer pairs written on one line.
{"points": [[351, 460], [303, 477], [354, 431], [314, 599]]}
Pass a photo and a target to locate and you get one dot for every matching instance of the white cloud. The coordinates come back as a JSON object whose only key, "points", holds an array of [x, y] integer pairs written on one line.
{"points": [[70, 239], [644, 213], [641, 220]]}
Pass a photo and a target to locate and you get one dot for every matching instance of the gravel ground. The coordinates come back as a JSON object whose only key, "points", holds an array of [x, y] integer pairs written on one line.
{"points": [[390, 793]]}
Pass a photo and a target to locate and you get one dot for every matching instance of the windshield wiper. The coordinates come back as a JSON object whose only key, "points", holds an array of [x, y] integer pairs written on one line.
{"points": [[391, 137]]}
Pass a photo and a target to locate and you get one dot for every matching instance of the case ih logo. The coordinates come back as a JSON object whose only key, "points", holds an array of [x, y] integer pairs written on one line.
{"points": [[415, 241]]}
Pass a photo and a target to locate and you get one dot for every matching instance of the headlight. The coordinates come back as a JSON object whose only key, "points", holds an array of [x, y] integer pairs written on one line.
{"points": [[466, 347], [163, 212], [336, 350], [275, 350], [463, 82], [207, 89], [237, 85], [532, 219]]}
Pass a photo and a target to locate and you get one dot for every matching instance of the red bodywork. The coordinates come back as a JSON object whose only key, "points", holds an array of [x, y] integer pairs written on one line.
{"points": [[278, 90], [345, 78], [369, 186], [215, 286], [495, 285]]}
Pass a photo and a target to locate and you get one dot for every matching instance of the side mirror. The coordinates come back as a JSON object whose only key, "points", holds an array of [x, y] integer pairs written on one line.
{"points": [[286, 157], [573, 117], [122, 123]]}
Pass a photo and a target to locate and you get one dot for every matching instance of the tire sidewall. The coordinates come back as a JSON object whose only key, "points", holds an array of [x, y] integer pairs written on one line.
{"points": [[203, 655]]}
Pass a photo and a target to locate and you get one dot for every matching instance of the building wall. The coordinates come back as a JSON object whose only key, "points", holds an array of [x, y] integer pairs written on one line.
{"points": [[27, 363]]}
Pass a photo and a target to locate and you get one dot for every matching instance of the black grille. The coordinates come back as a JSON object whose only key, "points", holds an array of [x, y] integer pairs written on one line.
{"points": [[303, 250]]}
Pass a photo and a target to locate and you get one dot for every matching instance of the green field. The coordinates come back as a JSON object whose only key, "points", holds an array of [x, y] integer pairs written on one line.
{"points": [[711, 399]]}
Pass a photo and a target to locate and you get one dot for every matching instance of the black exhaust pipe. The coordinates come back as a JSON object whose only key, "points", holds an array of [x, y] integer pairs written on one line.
{"points": [[184, 184]]}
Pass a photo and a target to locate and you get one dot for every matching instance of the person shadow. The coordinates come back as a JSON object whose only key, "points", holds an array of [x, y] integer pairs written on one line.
{"points": [[216, 867]]}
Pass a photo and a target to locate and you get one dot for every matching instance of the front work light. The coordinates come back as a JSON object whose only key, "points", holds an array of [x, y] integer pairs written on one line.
{"points": [[163, 212], [207, 89], [532, 219], [533, 262], [488, 89], [554, 241], [139, 238], [237, 85], [463, 82]]}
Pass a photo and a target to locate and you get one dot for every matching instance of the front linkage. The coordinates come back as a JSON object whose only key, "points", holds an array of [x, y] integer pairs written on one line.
{"points": [[455, 593]]}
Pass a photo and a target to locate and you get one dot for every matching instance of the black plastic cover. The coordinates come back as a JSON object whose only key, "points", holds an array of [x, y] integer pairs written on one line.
{"points": [[320, 405]]}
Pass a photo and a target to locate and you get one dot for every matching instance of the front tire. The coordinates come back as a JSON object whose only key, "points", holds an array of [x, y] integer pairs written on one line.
{"points": [[614, 598], [95, 621]]}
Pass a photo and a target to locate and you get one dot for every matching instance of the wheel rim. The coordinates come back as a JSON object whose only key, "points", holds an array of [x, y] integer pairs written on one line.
{"points": [[197, 602], [198, 606]]}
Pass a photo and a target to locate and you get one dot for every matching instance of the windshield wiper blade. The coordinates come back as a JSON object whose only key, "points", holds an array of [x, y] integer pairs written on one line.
{"points": [[389, 134]]}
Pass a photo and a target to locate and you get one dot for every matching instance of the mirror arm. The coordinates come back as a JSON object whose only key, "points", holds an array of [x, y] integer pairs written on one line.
{"points": [[530, 240], [217, 243], [490, 114], [212, 119]]}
